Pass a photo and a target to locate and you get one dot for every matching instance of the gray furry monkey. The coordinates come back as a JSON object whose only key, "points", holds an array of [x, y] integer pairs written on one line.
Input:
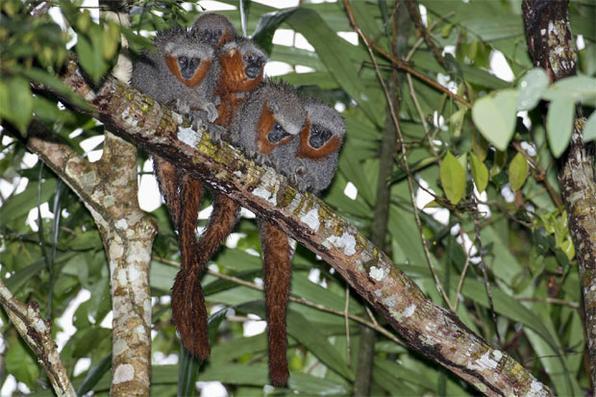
{"points": [[310, 162], [270, 119], [215, 29], [182, 71], [241, 71]]}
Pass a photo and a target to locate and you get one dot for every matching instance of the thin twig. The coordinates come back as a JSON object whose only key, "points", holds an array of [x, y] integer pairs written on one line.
{"points": [[347, 326], [462, 277], [414, 12], [404, 158]]}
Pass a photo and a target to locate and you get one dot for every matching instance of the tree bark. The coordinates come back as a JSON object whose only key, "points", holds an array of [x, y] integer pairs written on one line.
{"points": [[550, 44], [36, 332], [427, 328]]}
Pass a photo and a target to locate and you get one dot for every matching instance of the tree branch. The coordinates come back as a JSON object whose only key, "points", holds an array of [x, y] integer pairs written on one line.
{"points": [[427, 328], [550, 44], [37, 334]]}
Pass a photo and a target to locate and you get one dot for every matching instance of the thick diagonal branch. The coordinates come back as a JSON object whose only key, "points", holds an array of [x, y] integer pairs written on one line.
{"points": [[427, 328]]}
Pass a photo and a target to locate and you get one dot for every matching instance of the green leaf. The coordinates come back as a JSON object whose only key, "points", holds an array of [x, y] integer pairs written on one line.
{"points": [[453, 178], [110, 40], [590, 128], [494, 115], [532, 86], [575, 88], [336, 54], [479, 173], [307, 334], [559, 125], [90, 56], [22, 203], [268, 24], [518, 171], [188, 373], [20, 364], [16, 102], [94, 374]]}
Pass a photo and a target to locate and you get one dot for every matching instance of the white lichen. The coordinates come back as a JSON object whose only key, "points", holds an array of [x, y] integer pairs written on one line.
{"points": [[377, 273], [262, 192], [123, 373], [121, 224], [311, 219], [345, 242], [489, 360], [188, 136], [537, 390], [408, 311]]}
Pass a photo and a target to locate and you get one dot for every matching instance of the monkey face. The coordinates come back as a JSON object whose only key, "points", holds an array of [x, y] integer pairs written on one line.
{"points": [[189, 63], [323, 132], [214, 29], [270, 132], [242, 64]]}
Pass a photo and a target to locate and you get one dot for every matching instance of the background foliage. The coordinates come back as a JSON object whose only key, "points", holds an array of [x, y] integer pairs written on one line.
{"points": [[505, 256]]}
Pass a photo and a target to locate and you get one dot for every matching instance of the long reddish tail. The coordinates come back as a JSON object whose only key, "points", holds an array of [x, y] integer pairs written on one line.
{"points": [[188, 302], [278, 272], [221, 224], [167, 178]]}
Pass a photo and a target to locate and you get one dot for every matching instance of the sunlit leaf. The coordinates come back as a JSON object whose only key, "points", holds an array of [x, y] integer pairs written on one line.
{"points": [[559, 125], [532, 86], [453, 178], [590, 128], [479, 173], [495, 117], [16, 102], [518, 171]]}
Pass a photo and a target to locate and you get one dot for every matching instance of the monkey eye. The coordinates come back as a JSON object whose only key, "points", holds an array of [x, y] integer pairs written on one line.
{"points": [[194, 63], [319, 136], [183, 62], [277, 133]]}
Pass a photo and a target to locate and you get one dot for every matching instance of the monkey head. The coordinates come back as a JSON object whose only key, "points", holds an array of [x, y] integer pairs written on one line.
{"points": [[181, 71], [187, 57], [214, 29], [318, 147], [271, 117], [242, 65]]}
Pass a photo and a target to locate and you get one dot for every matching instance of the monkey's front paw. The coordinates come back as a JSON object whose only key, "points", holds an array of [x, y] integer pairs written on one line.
{"points": [[182, 106], [217, 133], [211, 110]]}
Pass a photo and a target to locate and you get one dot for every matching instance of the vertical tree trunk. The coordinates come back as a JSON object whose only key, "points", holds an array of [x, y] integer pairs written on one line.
{"points": [[550, 44]]}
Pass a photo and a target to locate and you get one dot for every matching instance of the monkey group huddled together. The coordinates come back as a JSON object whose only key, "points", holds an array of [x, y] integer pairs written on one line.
{"points": [[215, 76]]}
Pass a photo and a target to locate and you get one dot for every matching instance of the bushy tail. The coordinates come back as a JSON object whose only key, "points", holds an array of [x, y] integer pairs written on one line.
{"points": [[278, 272], [188, 302]]}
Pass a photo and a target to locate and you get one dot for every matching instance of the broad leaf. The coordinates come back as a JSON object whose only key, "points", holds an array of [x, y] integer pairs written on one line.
{"points": [[479, 173], [559, 125], [453, 178], [518, 171], [495, 117]]}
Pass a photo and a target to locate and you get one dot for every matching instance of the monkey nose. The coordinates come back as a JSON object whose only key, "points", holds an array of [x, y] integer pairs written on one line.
{"points": [[252, 71]]}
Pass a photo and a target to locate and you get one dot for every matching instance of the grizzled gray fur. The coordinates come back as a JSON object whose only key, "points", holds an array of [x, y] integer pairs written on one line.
{"points": [[152, 76], [288, 112]]}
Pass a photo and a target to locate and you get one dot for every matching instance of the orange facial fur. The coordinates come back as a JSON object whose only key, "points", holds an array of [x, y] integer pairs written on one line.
{"points": [[305, 150], [233, 76], [225, 37], [266, 123], [196, 78]]}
